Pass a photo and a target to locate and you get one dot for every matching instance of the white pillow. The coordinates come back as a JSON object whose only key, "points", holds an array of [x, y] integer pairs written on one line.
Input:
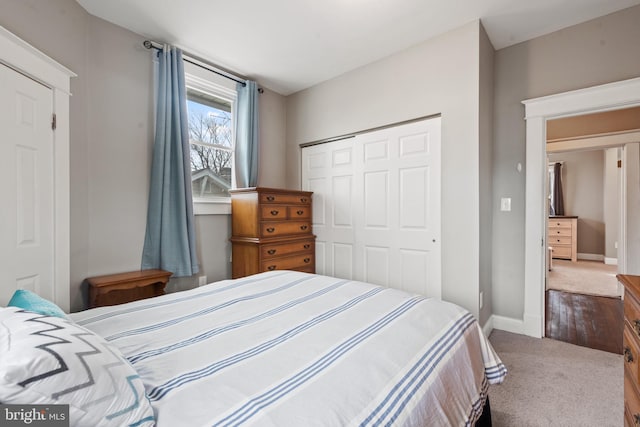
{"points": [[50, 360]]}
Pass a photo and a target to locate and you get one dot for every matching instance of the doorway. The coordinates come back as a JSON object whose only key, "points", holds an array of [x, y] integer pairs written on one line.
{"points": [[606, 97], [23, 59], [583, 304]]}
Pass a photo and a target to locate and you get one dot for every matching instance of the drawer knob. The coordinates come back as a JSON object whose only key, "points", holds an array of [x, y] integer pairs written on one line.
{"points": [[558, 232], [270, 198], [274, 212], [307, 246], [270, 230], [271, 267], [271, 251], [636, 326], [307, 260], [303, 227], [303, 200], [558, 240], [628, 356], [300, 212]]}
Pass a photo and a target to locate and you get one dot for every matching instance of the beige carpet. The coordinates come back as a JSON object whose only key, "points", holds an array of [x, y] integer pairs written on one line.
{"points": [[584, 277], [551, 383]]}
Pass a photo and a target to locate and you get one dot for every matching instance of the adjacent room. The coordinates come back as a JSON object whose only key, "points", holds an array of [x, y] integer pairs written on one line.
{"points": [[294, 213]]}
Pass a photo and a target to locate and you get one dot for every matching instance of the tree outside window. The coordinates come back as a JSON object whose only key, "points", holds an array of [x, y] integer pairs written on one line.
{"points": [[211, 139]]}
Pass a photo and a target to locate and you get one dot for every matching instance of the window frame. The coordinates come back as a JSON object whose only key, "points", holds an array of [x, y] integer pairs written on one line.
{"points": [[209, 84]]}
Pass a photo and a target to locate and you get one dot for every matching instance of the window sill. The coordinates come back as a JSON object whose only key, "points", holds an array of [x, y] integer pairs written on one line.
{"points": [[217, 207]]}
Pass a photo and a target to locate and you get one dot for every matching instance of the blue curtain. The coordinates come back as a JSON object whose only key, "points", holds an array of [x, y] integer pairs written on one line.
{"points": [[169, 242], [246, 119]]}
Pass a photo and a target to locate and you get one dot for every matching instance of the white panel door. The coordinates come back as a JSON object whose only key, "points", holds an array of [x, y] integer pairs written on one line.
{"points": [[389, 193], [26, 186], [329, 173]]}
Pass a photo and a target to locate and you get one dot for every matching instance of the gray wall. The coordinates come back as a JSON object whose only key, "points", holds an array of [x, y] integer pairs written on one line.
{"points": [[111, 139], [583, 191], [486, 170], [440, 75], [596, 52]]}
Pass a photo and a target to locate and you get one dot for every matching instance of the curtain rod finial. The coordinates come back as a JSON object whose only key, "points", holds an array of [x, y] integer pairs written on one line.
{"points": [[147, 44]]}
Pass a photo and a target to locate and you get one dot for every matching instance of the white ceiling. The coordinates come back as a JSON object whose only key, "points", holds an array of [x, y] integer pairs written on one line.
{"points": [[289, 45]]}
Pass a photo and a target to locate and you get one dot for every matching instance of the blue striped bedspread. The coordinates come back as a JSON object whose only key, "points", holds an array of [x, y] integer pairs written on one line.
{"points": [[294, 349]]}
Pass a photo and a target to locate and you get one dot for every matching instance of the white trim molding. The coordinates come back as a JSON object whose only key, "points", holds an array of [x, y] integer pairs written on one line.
{"points": [[508, 324], [611, 96], [590, 257], [26, 59]]}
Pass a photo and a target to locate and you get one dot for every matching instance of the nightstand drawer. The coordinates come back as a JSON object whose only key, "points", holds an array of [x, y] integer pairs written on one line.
{"points": [[273, 229], [276, 250]]}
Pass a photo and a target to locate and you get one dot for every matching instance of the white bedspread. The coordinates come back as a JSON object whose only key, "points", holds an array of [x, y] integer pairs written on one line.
{"points": [[294, 349]]}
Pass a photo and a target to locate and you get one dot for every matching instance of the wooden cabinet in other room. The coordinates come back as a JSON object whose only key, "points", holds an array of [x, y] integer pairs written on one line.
{"points": [[271, 230], [563, 237]]}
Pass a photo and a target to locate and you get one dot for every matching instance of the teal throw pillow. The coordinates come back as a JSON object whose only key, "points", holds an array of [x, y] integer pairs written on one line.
{"points": [[33, 302]]}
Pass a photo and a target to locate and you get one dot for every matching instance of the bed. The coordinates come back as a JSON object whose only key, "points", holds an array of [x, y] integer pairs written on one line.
{"points": [[286, 348]]}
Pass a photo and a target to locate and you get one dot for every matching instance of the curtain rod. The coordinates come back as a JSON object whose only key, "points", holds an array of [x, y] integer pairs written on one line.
{"points": [[198, 62]]}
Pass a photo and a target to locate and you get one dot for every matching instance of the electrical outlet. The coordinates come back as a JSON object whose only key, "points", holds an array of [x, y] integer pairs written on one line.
{"points": [[481, 299], [505, 204], [202, 280]]}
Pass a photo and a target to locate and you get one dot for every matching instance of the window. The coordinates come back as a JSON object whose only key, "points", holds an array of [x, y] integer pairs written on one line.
{"points": [[211, 140], [210, 103]]}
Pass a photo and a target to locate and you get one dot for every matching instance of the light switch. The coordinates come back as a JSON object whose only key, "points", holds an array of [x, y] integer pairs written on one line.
{"points": [[505, 204]]}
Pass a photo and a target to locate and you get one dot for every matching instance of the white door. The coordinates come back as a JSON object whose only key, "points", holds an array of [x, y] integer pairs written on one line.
{"points": [[26, 186], [376, 206]]}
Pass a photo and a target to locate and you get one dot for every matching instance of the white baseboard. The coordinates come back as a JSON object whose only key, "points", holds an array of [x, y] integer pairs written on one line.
{"points": [[591, 257], [611, 261], [488, 327], [506, 324]]}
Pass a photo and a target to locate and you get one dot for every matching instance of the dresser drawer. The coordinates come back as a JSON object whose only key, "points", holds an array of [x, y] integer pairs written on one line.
{"points": [[556, 231], [273, 229], [559, 240], [276, 250], [288, 263], [631, 403], [560, 223], [299, 212], [273, 212], [632, 314], [561, 251], [284, 198], [631, 353]]}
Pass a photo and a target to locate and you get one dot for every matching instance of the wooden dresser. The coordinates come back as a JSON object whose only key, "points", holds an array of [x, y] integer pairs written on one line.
{"points": [[563, 237], [271, 230], [631, 349]]}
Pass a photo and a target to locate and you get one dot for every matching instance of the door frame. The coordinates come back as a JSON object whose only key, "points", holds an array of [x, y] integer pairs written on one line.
{"points": [[611, 96], [29, 61]]}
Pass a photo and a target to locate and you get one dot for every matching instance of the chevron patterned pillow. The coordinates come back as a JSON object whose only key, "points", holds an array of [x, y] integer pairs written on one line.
{"points": [[50, 360]]}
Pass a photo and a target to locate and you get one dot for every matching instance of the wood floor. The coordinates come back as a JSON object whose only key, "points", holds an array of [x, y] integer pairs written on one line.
{"points": [[585, 320]]}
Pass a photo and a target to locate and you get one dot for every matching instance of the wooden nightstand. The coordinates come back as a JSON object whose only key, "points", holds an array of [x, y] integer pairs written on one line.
{"points": [[119, 288]]}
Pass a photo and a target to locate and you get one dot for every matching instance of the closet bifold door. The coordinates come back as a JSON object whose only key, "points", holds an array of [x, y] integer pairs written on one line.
{"points": [[376, 206]]}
